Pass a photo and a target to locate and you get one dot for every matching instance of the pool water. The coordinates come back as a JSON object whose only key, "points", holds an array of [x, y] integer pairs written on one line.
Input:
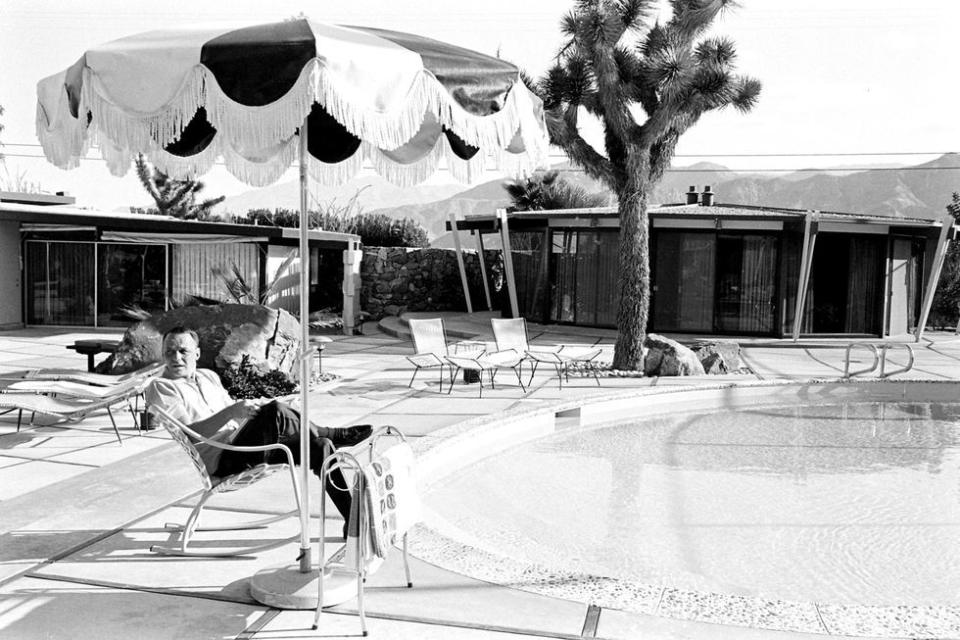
{"points": [[853, 503]]}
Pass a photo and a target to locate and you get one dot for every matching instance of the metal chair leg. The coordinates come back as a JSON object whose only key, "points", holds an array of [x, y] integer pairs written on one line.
{"points": [[114, 422]]}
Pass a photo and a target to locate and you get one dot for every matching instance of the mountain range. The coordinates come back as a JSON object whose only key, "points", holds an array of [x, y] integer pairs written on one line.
{"points": [[920, 191]]}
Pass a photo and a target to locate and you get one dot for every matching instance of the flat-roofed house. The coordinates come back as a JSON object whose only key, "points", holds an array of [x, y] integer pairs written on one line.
{"points": [[728, 269], [62, 265]]}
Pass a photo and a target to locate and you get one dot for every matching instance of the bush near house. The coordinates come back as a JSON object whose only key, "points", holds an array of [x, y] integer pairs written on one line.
{"points": [[374, 229], [945, 311]]}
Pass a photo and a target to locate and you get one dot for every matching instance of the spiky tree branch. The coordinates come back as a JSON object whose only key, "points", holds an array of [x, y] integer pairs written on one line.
{"points": [[177, 198]]}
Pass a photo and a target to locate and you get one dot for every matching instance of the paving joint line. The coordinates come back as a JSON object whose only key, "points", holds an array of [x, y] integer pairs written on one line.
{"points": [[80, 546]]}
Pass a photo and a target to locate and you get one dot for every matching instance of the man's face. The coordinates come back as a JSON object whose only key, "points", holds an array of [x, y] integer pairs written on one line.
{"points": [[180, 354]]}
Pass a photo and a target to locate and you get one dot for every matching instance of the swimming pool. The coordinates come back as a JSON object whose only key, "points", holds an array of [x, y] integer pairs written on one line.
{"points": [[793, 499]]}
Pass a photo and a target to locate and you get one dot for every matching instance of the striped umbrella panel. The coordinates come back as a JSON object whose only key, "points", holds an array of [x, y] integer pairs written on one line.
{"points": [[186, 97]]}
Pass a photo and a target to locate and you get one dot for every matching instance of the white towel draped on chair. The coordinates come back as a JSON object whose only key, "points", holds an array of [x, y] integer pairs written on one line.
{"points": [[392, 503]]}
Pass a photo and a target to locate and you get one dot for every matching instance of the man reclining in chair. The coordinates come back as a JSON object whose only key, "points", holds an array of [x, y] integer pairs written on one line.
{"points": [[197, 397]]}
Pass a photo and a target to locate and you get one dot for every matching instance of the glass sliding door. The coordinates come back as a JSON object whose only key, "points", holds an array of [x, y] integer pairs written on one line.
{"points": [[864, 285], [585, 289], [746, 283], [684, 274], [129, 276], [563, 255], [530, 269], [59, 283]]}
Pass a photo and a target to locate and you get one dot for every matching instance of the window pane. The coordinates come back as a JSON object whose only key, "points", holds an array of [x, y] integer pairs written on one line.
{"points": [[60, 283], [131, 276]]}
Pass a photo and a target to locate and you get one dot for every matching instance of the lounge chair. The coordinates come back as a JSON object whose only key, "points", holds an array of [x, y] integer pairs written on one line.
{"points": [[511, 333], [98, 379], [185, 437], [429, 346], [65, 409], [133, 386]]}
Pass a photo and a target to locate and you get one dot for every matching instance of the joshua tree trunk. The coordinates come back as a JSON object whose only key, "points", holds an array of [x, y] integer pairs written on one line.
{"points": [[634, 264]]}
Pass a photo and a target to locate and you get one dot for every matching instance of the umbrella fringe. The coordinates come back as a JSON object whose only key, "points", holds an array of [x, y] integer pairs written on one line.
{"points": [[62, 138], [270, 129], [405, 174]]}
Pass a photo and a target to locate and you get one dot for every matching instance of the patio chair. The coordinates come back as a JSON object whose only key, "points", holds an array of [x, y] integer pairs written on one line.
{"points": [[133, 385], [65, 409], [212, 485], [511, 333], [98, 379], [429, 346]]}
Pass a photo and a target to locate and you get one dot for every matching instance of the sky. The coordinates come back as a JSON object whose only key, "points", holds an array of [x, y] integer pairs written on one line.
{"points": [[854, 83]]}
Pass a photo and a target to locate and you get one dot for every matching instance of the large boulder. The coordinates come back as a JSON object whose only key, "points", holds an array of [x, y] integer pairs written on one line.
{"points": [[719, 356], [666, 357], [271, 337]]}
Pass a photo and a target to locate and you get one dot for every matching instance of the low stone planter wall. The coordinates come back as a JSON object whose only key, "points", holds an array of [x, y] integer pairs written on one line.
{"points": [[399, 279]]}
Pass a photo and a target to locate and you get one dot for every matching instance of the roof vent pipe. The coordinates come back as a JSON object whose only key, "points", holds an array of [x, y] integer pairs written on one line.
{"points": [[692, 196], [706, 198]]}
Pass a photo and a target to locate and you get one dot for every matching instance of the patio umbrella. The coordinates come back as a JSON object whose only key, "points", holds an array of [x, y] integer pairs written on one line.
{"points": [[262, 97]]}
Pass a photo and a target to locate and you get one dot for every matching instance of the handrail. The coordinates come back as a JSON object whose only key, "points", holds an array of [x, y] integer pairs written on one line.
{"points": [[883, 358], [846, 367]]}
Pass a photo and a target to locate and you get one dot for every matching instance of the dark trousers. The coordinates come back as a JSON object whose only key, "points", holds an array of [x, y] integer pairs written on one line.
{"points": [[278, 423]]}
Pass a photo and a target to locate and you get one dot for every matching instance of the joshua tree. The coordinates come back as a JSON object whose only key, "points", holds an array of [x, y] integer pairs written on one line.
{"points": [[177, 198], [647, 82], [548, 191]]}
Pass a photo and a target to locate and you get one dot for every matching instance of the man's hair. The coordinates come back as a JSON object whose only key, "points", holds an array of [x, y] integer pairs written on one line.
{"points": [[180, 330]]}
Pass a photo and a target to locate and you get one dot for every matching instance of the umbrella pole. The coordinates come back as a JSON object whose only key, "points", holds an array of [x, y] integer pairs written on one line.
{"points": [[305, 360]]}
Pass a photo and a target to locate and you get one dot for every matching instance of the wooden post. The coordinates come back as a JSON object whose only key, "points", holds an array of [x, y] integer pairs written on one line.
{"points": [[806, 261], [483, 269], [938, 257], [463, 268], [508, 263], [352, 259]]}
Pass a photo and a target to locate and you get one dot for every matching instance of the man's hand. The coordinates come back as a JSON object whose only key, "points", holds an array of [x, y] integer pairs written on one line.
{"points": [[243, 410]]}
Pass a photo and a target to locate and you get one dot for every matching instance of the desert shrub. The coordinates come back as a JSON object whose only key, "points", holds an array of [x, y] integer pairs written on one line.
{"points": [[247, 381], [374, 229], [378, 230]]}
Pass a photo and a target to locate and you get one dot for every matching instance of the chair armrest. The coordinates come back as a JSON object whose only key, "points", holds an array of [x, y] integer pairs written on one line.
{"points": [[230, 447]]}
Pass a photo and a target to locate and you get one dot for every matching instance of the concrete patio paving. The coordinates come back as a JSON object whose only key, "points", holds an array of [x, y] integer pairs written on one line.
{"points": [[78, 511]]}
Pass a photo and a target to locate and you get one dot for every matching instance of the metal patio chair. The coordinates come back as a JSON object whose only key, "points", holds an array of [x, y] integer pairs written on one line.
{"points": [[66, 409], [98, 379], [511, 333], [132, 386], [212, 485], [429, 346]]}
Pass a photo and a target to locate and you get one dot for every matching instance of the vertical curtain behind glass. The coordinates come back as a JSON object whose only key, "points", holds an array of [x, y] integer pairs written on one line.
{"points": [[757, 284], [863, 286]]}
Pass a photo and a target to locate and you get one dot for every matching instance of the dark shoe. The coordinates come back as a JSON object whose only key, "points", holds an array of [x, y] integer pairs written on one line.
{"points": [[349, 436]]}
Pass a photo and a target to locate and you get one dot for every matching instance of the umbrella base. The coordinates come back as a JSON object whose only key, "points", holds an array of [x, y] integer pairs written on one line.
{"points": [[285, 587]]}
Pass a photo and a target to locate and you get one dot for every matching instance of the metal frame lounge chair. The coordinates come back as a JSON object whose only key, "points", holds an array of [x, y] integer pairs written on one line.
{"points": [[132, 386], [212, 485], [65, 409], [98, 379], [429, 346], [511, 333]]}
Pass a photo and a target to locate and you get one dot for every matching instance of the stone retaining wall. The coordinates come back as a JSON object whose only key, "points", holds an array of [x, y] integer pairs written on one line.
{"points": [[399, 279]]}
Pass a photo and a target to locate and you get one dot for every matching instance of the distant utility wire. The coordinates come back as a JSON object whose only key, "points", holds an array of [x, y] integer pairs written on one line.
{"points": [[827, 154], [688, 169]]}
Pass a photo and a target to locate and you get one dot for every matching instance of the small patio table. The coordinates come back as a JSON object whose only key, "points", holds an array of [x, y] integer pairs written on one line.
{"points": [[90, 348]]}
